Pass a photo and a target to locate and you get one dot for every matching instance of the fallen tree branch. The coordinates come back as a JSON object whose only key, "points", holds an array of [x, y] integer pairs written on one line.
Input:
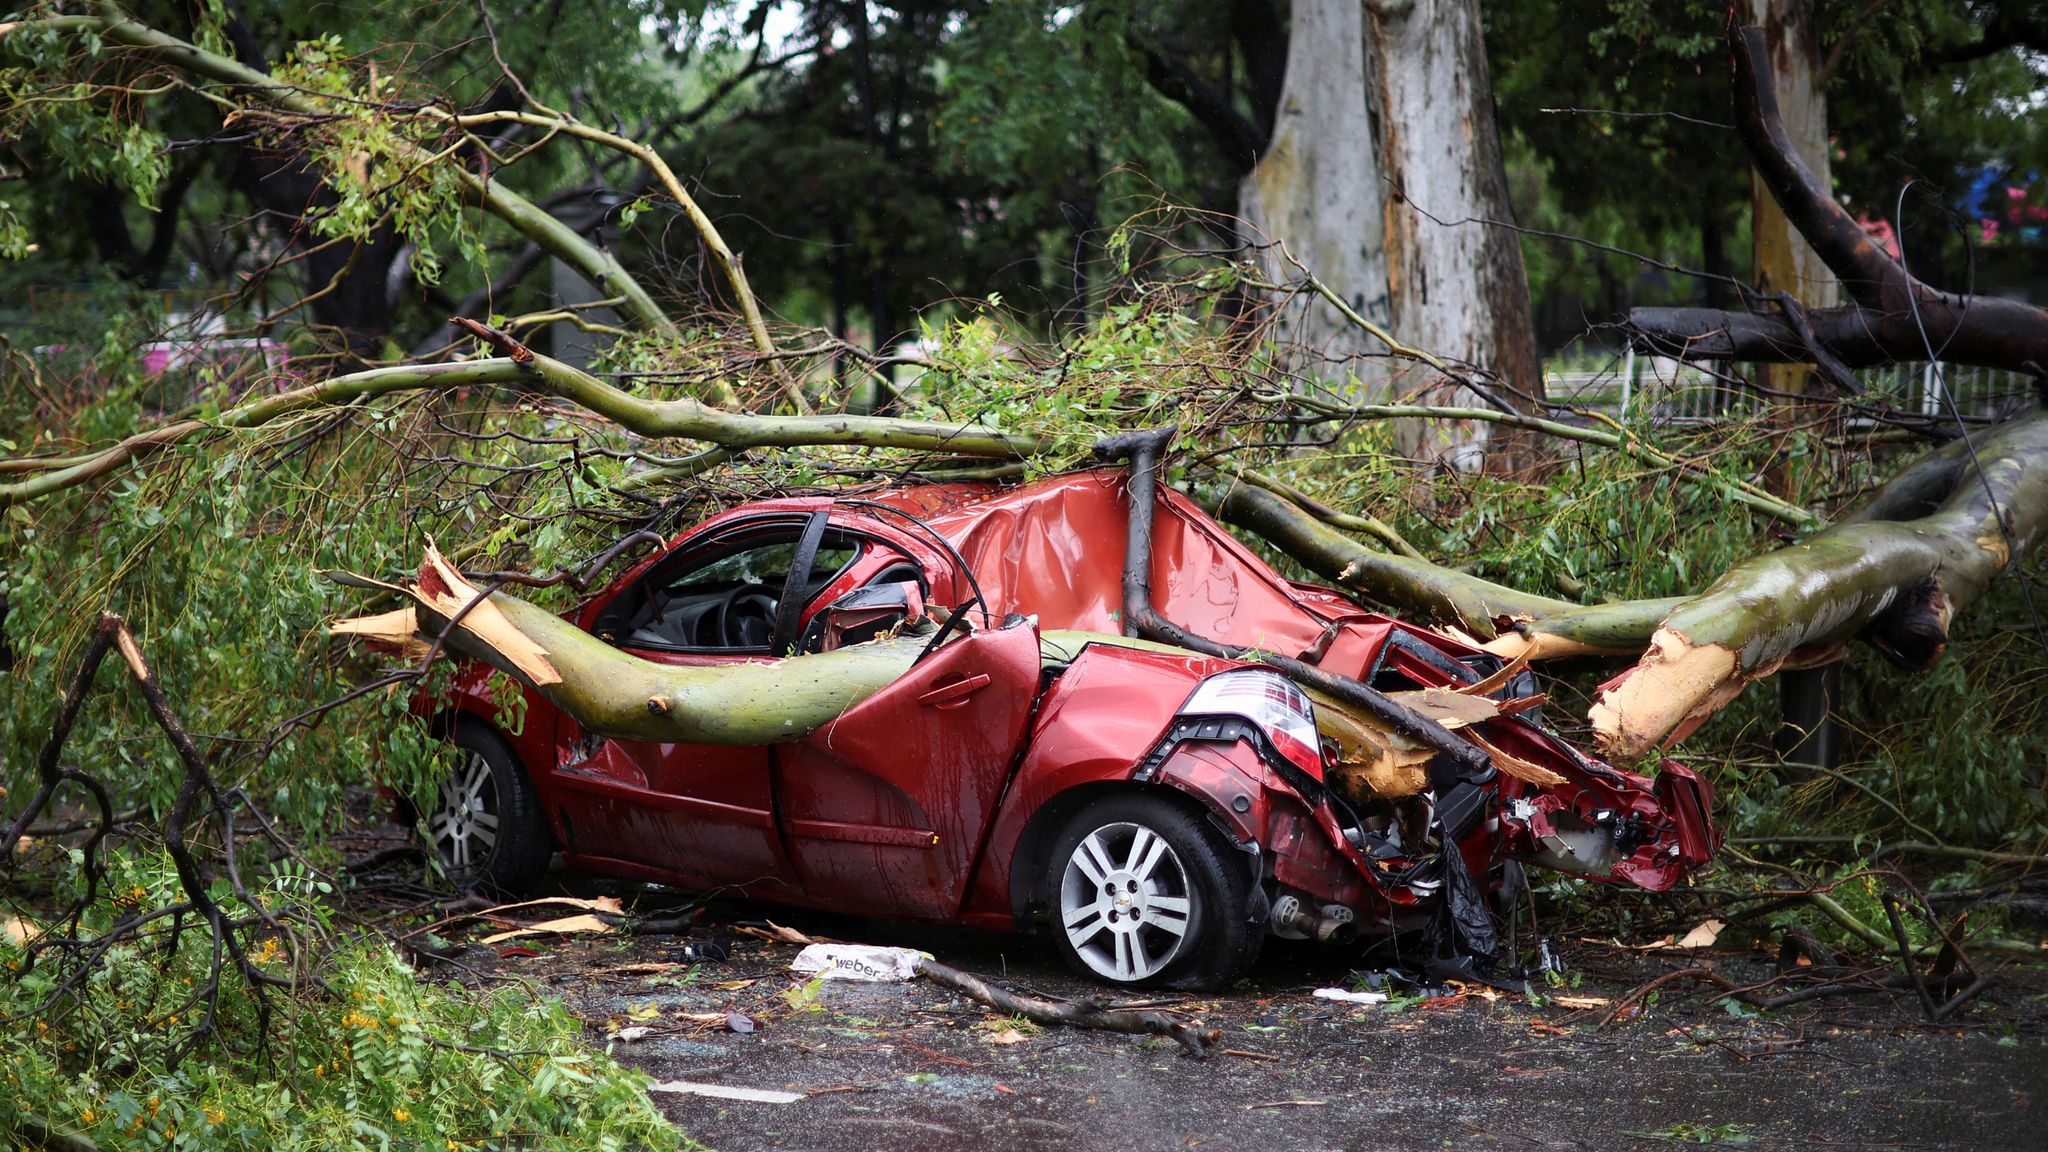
{"points": [[728, 262], [529, 219], [1612, 435], [681, 418], [1856, 336], [1895, 316], [1192, 1037], [1141, 618], [199, 797], [1894, 574], [615, 694], [1545, 627]]}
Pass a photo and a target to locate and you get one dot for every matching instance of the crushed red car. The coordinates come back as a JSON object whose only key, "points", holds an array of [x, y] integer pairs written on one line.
{"points": [[1161, 811]]}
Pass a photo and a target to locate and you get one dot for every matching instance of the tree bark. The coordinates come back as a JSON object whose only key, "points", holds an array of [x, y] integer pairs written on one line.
{"points": [[1781, 258], [1317, 188], [1457, 285]]}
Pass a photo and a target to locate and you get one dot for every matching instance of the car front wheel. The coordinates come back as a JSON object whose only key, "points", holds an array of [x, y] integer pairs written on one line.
{"points": [[486, 825], [1143, 892]]}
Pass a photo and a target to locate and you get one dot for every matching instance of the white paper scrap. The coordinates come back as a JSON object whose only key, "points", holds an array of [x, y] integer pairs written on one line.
{"points": [[857, 962], [1349, 997]]}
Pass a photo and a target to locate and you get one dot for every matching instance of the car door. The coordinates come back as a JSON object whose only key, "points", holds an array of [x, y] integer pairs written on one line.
{"points": [[885, 809], [700, 815]]}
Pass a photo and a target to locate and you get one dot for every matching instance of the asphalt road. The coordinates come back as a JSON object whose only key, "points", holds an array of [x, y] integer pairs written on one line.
{"points": [[915, 1066]]}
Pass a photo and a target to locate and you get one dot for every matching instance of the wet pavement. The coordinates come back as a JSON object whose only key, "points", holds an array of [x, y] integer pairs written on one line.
{"points": [[913, 1065]]}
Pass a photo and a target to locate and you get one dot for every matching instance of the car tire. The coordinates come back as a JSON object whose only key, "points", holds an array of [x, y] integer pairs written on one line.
{"points": [[1142, 891], [486, 825]]}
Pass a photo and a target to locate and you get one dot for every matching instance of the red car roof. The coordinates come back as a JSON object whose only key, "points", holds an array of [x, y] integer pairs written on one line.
{"points": [[1056, 548]]}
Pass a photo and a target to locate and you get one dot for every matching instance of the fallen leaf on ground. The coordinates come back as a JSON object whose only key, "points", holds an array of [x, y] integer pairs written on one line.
{"points": [[739, 1022], [736, 985], [1008, 1036]]}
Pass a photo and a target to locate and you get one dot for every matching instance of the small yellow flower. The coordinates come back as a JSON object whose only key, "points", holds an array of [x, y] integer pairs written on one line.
{"points": [[214, 1115], [401, 1115], [89, 1116]]}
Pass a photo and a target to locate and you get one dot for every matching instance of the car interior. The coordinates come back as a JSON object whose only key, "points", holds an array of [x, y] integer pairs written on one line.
{"points": [[729, 599]]}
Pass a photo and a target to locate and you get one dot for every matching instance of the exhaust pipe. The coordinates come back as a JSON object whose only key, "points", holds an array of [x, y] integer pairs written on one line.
{"points": [[1331, 924], [1337, 925]]}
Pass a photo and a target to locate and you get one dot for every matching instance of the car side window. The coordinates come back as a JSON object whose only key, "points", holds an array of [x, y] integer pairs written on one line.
{"points": [[724, 599]]}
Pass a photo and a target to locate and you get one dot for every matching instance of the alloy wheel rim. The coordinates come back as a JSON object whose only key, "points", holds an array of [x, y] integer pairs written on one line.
{"points": [[465, 827], [1125, 903]]}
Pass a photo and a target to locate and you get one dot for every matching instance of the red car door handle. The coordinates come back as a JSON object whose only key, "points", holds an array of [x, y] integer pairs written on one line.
{"points": [[955, 694]]}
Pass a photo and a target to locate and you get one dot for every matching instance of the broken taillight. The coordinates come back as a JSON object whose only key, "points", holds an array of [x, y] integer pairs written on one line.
{"points": [[1270, 701]]}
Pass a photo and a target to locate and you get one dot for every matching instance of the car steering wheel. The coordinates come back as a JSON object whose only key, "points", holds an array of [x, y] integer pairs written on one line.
{"points": [[733, 612]]}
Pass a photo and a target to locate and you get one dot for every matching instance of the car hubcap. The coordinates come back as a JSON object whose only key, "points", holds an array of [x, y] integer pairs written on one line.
{"points": [[465, 826], [1124, 902]]}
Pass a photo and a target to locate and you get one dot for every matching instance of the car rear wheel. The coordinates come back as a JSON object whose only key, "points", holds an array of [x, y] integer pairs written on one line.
{"points": [[1144, 892], [486, 825]]}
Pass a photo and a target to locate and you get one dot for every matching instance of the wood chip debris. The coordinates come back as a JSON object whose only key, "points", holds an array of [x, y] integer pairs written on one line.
{"points": [[580, 925], [1703, 935]]}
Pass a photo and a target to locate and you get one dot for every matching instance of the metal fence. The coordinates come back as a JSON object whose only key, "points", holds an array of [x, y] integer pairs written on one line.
{"points": [[1665, 390]]}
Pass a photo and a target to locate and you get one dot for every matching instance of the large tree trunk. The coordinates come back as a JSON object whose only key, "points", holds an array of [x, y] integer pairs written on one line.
{"points": [[1783, 260], [1384, 155], [1317, 186], [1457, 285]]}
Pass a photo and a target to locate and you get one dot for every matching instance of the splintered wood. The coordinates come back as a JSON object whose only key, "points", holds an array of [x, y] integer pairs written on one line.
{"points": [[1375, 762], [445, 593]]}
